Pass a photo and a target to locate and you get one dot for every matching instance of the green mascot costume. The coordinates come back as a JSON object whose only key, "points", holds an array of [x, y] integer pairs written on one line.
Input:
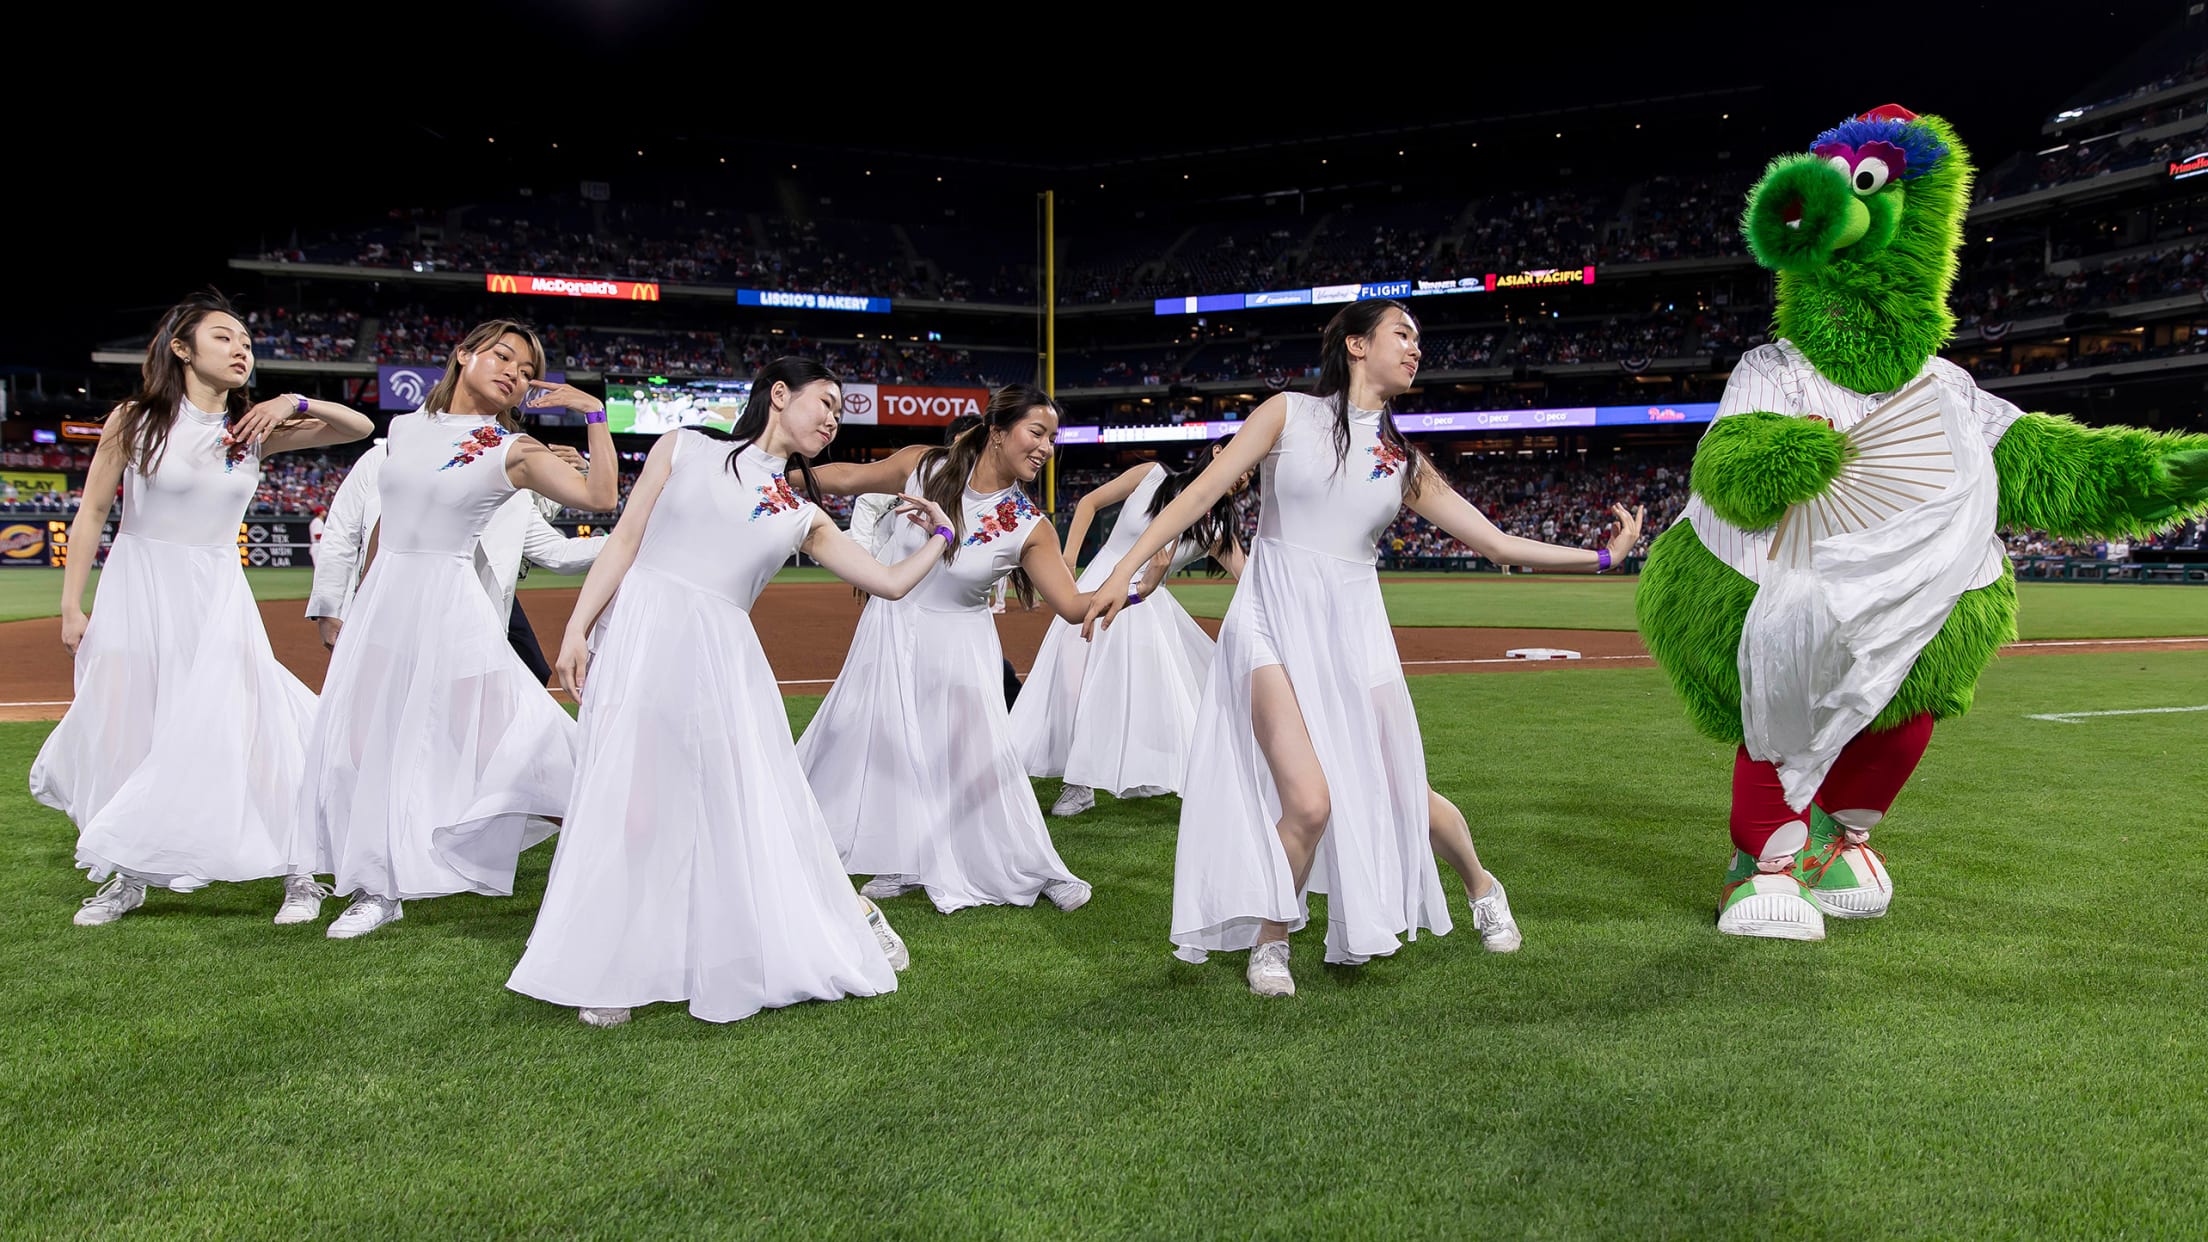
{"points": [[1835, 585]]}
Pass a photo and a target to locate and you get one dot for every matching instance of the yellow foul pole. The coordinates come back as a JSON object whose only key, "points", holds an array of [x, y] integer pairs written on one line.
{"points": [[1050, 331]]}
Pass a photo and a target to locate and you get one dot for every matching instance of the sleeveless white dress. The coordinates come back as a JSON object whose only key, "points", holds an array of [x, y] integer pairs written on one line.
{"points": [[694, 864], [1118, 712], [180, 758], [436, 758], [911, 753], [1309, 600]]}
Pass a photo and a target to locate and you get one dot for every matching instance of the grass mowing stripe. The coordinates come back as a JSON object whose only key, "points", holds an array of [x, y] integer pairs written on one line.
{"points": [[1987, 1059]]}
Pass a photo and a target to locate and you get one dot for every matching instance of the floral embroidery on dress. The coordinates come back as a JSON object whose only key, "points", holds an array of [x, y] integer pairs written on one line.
{"points": [[775, 496], [1385, 459], [478, 442], [1004, 519]]}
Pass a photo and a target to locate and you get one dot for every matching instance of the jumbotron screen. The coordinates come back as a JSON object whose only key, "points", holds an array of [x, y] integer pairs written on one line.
{"points": [[654, 406]]}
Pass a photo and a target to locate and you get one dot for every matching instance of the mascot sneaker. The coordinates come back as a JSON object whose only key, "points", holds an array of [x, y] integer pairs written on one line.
{"points": [[1846, 877], [1775, 906]]}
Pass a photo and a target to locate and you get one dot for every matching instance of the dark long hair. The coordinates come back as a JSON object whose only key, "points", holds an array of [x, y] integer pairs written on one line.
{"points": [[1219, 524], [752, 423], [1362, 319], [479, 338], [141, 423], [944, 471]]}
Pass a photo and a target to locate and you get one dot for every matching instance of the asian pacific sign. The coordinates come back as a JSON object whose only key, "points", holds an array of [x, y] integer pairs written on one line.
{"points": [[572, 287], [1463, 421], [906, 405], [812, 301]]}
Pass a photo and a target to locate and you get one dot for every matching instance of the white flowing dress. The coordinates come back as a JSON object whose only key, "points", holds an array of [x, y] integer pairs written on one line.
{"points": [[180, 758], [911, 753], [1309, 601], [436, 758], [1118, 712], [694, 864]]}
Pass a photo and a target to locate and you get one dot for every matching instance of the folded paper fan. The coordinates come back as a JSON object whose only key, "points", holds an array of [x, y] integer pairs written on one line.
{"points": [[1899, 458]]}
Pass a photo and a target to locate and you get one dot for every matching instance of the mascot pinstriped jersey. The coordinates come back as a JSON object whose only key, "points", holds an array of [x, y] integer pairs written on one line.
{"points": [[1834, 585]]}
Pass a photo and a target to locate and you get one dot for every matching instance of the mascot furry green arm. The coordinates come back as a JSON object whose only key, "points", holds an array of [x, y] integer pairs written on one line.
{"points": [[1827, 656]]}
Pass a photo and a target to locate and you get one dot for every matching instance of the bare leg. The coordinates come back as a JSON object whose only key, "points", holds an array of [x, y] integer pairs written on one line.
{"points": [[1452, 839], [1305, 804]]}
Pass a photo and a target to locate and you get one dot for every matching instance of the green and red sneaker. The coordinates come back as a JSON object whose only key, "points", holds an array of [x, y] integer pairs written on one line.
{"points": [[1846, 877], [1773, 905]]}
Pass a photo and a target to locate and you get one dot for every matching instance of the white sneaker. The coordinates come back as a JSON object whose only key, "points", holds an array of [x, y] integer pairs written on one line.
{"points": [[1269, 970], [1491, 919], [884, 887], [364, 916], [1067, 894], [116, 898], [1144, 791], [602, 1017], [893, 945], [1073, 799], [302, 900]]}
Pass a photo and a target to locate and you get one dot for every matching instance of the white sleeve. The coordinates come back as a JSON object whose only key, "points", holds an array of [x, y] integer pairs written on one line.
{"points": [[344, 535], [867, 513], [543, 545], [1995, 414]]}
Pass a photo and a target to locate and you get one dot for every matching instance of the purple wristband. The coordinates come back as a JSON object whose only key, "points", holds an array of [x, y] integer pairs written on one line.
{"points": [[949, 535], [1602, 560], [592, 418], [1133, 598], [302, 405]]}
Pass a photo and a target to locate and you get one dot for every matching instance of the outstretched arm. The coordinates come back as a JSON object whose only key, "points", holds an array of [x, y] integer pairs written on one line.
{"points": [[2075, 481], [1120, 488], [1258, 435], [612, 564], [857, 478], [848, 559], [1046, 568], [1440, 504]]}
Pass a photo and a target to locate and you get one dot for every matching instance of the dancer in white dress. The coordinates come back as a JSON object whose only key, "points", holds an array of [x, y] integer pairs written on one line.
{"points": [[180, 757], [1308, 770], [437, 758], [911, 753], [694, 864], [1119, 713]]}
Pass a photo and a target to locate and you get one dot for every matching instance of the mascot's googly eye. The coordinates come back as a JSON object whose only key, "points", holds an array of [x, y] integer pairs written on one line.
{"points": [[1846, 169], [1870, 176]]}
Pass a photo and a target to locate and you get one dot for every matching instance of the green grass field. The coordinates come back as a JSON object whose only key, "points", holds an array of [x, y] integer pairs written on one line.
{"points": [[2014, 1052], [2047, 610]]}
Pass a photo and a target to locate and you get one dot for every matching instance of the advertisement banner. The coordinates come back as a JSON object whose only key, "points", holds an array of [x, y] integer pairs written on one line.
{"points": [[29, 483], [572, 287], [1325, 295], [274, 543], [901, 405], [1496, 420], [812, 301], [1281, 297], [80, 431], [1542, 278], [402, 388], [24, 545], [1633, 415]]}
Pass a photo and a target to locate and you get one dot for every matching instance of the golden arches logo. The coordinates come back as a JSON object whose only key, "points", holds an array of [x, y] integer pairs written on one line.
{"points": [[496, 283], [644, 291]]}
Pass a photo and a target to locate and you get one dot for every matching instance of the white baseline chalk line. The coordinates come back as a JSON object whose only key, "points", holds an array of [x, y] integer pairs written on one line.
{"points": [[2077, 717]]}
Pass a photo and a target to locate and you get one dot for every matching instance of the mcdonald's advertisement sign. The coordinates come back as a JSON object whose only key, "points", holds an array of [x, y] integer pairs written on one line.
{"points": [[573, 287]]}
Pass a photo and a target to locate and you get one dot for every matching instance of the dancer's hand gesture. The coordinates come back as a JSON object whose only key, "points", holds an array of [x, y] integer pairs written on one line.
{"points": [[254, 425], [1629, 532], [574, 662], [921, 512], [565, 396], [1105, 603]]}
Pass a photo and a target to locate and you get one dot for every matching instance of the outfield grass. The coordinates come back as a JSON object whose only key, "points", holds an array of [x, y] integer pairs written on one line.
{"points": [[2045, 610], [2015, 1051]]}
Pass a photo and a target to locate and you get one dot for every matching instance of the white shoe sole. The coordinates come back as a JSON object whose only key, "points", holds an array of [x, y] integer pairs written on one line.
{"points": [[100, 919], [338, 931], [1503, 944], [883, 890], [602, 1018], [1773, 916], [1270, 988], [1061, 810], [1072, 903], [286, 918], [1853, 903]]}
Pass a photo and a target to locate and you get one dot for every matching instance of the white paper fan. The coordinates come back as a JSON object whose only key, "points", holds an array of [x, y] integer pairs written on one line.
{"points": [[1901, 459]]}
